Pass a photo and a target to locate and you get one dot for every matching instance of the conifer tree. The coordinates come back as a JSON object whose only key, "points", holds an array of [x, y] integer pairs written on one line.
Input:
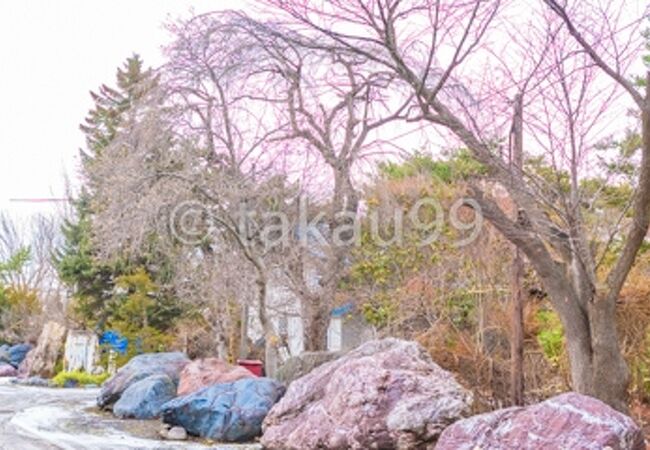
{"points": [[111, 106], [90, 280]]}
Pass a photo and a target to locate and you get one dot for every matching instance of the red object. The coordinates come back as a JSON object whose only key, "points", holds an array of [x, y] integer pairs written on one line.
{"points": [[255, 366]]}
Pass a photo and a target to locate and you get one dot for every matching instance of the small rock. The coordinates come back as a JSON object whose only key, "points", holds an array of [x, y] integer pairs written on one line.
{"points": [[32, 381], [164, 429], [176, 434]]}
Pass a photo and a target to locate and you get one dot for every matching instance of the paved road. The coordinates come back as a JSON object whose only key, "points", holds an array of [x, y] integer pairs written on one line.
{"points": [[34, 418]]}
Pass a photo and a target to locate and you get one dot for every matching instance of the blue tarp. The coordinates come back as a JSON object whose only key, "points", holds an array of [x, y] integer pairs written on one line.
{"points": [[342, 310], [114, 340]]}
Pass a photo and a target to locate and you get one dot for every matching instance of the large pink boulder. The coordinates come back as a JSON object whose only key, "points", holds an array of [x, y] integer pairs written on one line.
{"points": [[206, 372], [567, 421], [384, 394]]}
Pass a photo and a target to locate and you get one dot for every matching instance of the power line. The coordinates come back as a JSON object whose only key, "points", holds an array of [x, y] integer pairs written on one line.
{"points": [[40, 200]]}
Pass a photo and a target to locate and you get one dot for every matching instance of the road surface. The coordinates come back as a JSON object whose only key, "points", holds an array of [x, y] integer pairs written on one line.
{"points": [[36, 418]]}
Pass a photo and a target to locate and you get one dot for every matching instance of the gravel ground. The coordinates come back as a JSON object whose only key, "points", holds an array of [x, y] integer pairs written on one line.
{"points": [[50, 418]]}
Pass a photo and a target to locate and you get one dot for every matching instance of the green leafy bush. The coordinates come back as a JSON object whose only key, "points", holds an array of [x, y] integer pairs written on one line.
{"points": [[550, 335], [81, 378]]}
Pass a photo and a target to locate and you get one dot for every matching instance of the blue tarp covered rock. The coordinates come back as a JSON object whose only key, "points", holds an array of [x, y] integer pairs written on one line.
{"points": [[231, 412], [143, 399], [17, 353], [14, 354], [139, 368]]}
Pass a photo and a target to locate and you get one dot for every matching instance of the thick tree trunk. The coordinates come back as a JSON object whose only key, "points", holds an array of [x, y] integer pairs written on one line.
{"points": [[316, 329], [317, 307], [221, 346], [598, 368], [271, 358], [610, 373], [589, 318], [599, 371]]}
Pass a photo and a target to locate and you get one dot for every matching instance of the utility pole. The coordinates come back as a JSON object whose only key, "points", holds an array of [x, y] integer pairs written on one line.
{"points": [[517, 273]]}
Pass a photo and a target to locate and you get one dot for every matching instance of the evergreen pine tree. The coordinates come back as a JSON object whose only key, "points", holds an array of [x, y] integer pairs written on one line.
{"points": [[111, 105], [92, 281]]}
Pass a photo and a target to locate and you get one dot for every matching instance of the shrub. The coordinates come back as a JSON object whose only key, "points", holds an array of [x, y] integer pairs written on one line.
{"points": [[81, 378], [550, 335]]}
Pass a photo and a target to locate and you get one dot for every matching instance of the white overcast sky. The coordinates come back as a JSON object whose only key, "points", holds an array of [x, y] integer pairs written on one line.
{"points": [[52, 53]]}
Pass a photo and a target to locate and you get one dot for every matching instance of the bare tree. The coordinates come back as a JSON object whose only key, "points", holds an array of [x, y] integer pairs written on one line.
{"points": [[333, 105], [194, 168], [33, 241], [250, 100], [433, 46]]}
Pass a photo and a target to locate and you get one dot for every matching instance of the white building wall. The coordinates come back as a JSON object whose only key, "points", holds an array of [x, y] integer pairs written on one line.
{"points": [[295, 334], [335, 334], [284, 313], [81, 351]]}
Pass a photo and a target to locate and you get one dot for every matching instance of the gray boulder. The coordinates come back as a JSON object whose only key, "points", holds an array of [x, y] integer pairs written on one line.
{"points": [[4, 353], [143, 399], [298, 366], [139, 368], [567, 421], [33, 381], [384, 394], [231, 412]]}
